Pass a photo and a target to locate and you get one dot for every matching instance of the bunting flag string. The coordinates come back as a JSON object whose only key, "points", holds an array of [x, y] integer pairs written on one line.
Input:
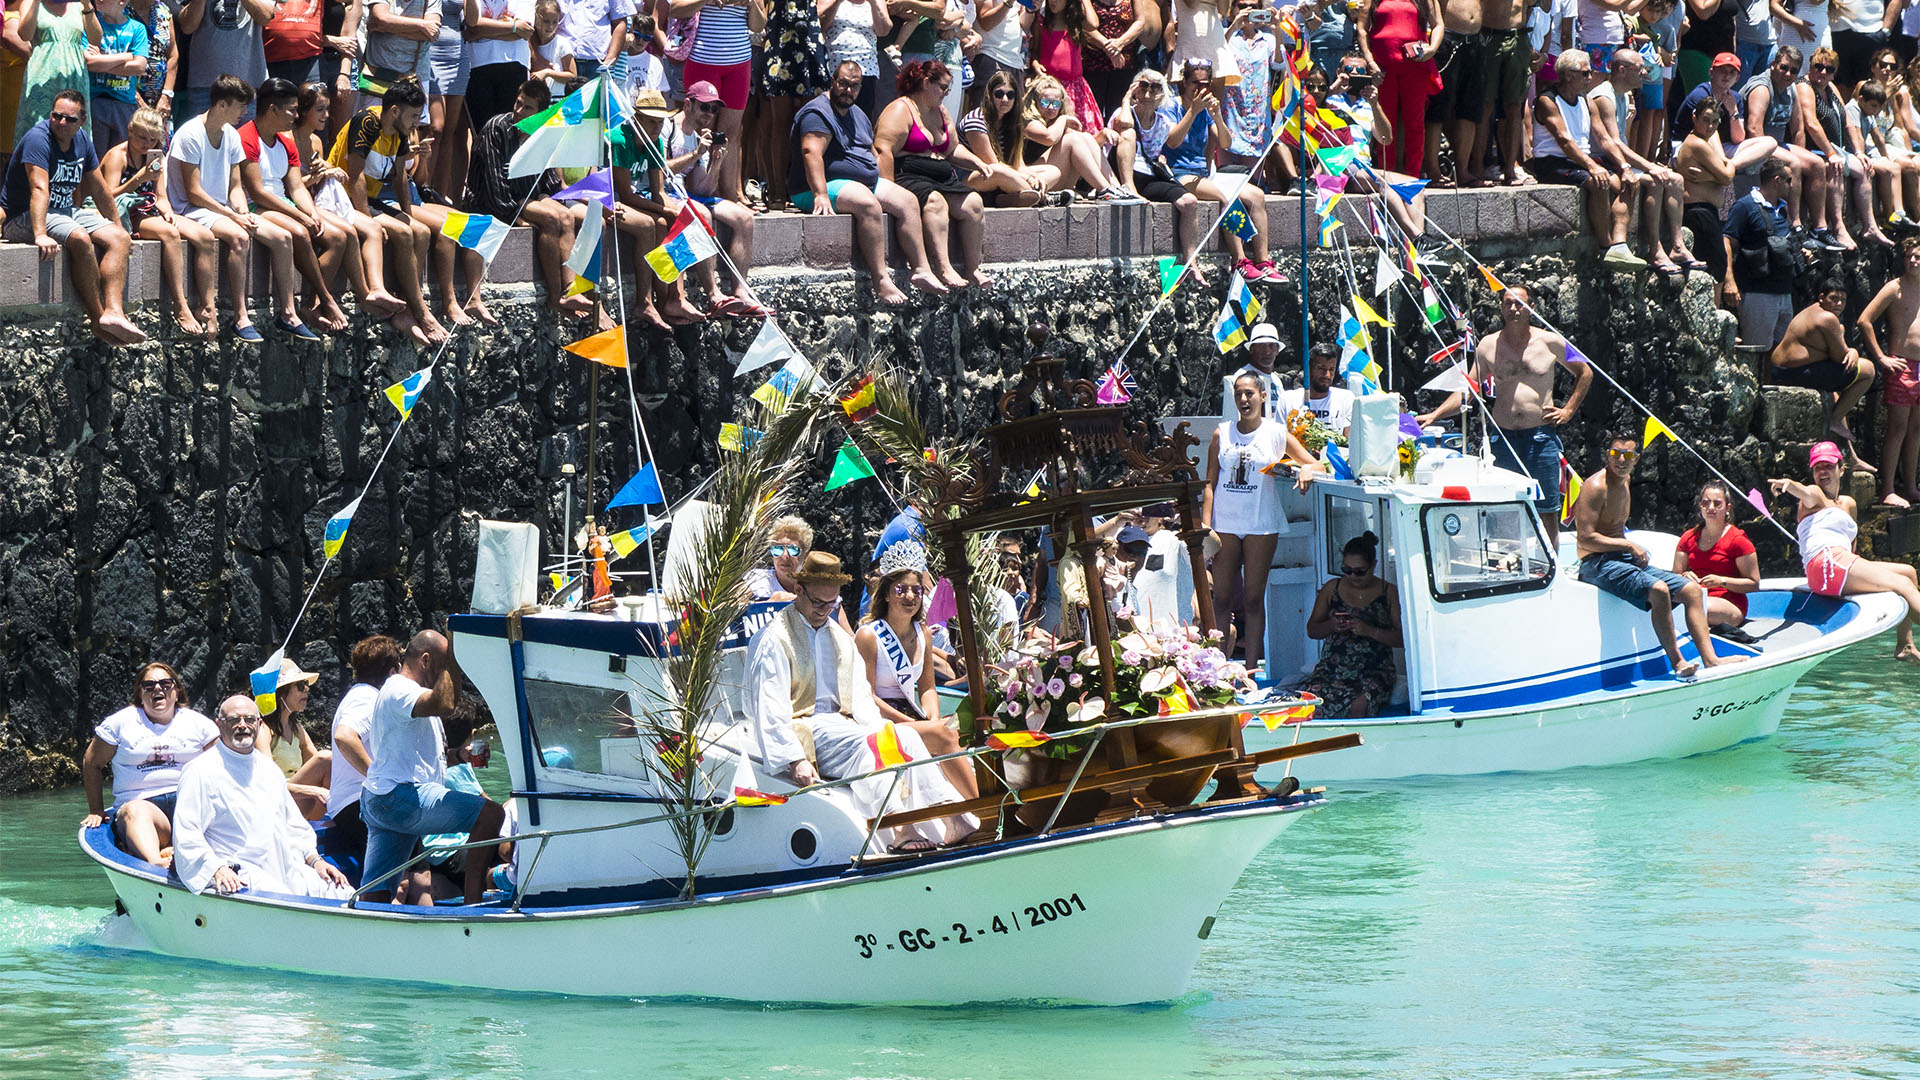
{"points": [[335, 534], [481, 232], [607, 347], [642, 490]]}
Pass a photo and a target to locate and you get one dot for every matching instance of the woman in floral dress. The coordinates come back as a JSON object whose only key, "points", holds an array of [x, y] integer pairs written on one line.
{"points": [[1358, 616], [796, 74]]}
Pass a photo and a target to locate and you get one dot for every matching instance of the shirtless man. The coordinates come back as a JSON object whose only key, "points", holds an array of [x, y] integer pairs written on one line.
{"points": [[1706, 174], [1507, 56], [1521, 359], [1456, 109], [1814, 354], [1899, 301], [1614, 564], [1654, 186]]}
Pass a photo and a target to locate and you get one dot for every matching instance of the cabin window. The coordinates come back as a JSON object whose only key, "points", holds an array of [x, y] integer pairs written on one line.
{"points": [[1483, 549], [1347, 518], [579, 727]]}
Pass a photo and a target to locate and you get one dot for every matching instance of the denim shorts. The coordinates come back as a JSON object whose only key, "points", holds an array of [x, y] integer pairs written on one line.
{"points": [[397, 819], [1539, 454], [1626, 579]]}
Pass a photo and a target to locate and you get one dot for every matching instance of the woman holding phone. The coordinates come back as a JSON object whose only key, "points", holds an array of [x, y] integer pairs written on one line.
{"points": [[1398, 39], [139, 163]]}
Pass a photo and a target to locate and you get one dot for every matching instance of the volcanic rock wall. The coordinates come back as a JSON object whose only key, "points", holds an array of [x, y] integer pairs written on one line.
{"points": [[167, 501]]}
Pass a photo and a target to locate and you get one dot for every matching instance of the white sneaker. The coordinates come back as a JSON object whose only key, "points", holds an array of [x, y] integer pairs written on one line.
{"points": [[1621, 255]]}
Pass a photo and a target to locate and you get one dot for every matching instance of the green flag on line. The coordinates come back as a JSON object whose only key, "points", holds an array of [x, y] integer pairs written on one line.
{"points": [[849, 465], [1169, 273]]}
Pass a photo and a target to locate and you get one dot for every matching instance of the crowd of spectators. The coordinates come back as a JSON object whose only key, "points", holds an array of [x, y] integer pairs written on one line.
{"points": [[215, 125]]}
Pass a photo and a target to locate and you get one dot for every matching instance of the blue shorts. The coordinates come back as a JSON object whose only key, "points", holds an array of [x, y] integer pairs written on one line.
{"points": [[1539, 456], [397, 819], [803, 200], [1654, 95], [1626, 579]]}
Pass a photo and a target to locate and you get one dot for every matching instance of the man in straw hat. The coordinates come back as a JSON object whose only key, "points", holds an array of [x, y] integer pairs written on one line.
{"points": [[805, 671]]}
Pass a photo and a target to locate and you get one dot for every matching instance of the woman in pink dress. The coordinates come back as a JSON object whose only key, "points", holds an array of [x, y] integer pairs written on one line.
{"points": [[1055, 49], [1399, 39]]}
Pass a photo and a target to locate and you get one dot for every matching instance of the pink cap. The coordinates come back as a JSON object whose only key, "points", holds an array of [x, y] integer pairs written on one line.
{"points": [[1823, 453], [703, 91]]}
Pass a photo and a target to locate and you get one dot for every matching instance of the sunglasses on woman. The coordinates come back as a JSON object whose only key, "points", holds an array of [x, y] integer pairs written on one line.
{"points": [[901, 588], [1003, 95], [1356, 571], [791, 550]]}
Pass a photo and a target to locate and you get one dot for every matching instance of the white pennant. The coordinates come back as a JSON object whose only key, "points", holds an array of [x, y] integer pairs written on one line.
{"points": [[588, 241], [1385, 274], [770, 346], [1454, 380]]}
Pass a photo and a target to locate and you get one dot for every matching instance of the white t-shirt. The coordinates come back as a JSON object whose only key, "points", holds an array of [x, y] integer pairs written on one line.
{"points": [[355, 715], [646, 72], [1336, 409], [1005, 41], [406, 749], [216, 162], [1161, 592], [147, 756], [502, 50], [549, 56]]}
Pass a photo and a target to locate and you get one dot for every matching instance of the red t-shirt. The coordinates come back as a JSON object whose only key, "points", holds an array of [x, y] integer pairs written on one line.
{"points": [[1722, 558], [294, 31]]}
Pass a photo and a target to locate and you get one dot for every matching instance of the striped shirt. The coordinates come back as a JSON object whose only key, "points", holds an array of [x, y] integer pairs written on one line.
{"points": [[722, 37]]}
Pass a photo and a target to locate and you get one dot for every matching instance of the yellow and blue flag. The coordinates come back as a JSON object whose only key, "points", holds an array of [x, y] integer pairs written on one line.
{"points": [[626, 543], [481, 232], [1228, 331], [405, 394], [738, 437], [264, 682], [1242, 297], [336, 533]]}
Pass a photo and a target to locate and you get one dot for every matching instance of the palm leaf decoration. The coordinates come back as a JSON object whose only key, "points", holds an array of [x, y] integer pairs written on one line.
{"points": [[753, 488]]}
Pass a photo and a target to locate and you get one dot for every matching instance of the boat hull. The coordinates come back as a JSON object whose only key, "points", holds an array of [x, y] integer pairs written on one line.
{"points": [[1689, 719], [962, 927]]}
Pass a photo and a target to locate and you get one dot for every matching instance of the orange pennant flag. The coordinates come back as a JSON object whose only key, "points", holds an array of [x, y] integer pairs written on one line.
{"points": [[749, 797], [1017, 740], [1177, 701], [1296, 715], [1493, 283], [885, 745], [608, 347]]}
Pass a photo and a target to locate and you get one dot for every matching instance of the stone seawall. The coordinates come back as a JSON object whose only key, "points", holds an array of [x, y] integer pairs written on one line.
{"points": [[167, 501]]}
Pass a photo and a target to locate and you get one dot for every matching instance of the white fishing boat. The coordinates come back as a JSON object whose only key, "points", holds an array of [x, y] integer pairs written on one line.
{"points": [[648, 860], [1510, 661]]}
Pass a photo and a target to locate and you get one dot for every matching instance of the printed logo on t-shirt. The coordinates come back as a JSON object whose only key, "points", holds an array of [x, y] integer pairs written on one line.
{"points": [[1241, 477]]}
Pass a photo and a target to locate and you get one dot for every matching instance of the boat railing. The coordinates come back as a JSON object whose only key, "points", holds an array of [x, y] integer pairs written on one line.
{"points": [[1096, 731]]}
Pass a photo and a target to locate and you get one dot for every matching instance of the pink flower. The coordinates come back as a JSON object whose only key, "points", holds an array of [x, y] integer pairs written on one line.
{"points": [[1075, 680], [1014, 708], [1056, 687]]}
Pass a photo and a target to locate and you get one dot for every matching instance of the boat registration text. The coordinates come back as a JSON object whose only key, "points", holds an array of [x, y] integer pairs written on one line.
{"points": [[1726, 707], [922, 939]]}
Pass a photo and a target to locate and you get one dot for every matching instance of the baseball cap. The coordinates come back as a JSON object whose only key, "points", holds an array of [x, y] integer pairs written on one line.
{"points": [[1264, 332], [1133, 534], [1726, 59], [703, 91], [1823, 453]]}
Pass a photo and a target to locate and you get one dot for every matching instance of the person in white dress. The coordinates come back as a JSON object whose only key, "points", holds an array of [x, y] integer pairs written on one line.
{"points": [[1241, 505], [802, 666], [236, 826], [893, 642]]}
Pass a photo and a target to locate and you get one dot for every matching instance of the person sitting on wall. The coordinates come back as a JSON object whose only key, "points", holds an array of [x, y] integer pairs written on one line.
{"points": [[522, 200], [1814, 354], [804, 669], [236, 826], [1358, 616], [1614, 564], [54, 168]]}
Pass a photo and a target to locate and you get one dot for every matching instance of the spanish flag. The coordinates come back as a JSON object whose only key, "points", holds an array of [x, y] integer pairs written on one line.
{"points": [[885, 745], [1017, 740], [749, 797], [1293, 714], [1176, 701], [858, 402]]}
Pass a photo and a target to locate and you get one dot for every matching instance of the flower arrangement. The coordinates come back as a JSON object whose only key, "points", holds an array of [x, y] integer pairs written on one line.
{"points": [[1313, 433], [1048, 687], [1409, 458]]}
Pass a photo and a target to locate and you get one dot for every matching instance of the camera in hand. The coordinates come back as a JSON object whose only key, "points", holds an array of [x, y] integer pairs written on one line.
{"points": [[1359, 83], [719, 139]]}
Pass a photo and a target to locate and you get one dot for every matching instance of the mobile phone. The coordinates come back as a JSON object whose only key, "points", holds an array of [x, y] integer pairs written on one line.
{"points": [[719, 138], [153, 157], [1263, 17], [1359, 83]]}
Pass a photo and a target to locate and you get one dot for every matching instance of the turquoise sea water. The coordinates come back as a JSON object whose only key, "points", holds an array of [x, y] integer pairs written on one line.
{"points": [[1751, 913]]}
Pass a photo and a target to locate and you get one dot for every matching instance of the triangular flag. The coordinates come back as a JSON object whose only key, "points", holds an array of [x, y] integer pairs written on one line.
{"points": [[1430, 303], [1454, 380], [1760, 504], [769, 346], [568, 134], [1366, 312], [942, 606], [886, 748], [858, 402], [642, 490], [607, 347], [737, 438], [480, 232], [1239, 224], [1328, 226], [1338, 462], [746, 787], [1654, 430], [1385, 274], [405, 394], [848, 465], [1243, 299], [1447, 352], [1228, 330], [1493, 283], [1110, 392], [626, 543], [1170, 269], [1409, 189], [1330, 184], [1570, 491], [336, 531], [1017, 740], [596, 186], [585, 255], [264, 681], [1575, 356], [1337, 159], [689, 243]]}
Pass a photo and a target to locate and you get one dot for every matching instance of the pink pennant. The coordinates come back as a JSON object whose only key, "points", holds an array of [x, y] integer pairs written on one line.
{"points": [[1760, 504], [941, 605], [1110, 391], [1331, 184]]}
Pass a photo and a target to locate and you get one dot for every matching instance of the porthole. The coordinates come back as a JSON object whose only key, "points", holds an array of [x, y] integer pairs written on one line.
{"points": [[723, 825], [804, 844], [200, 920]]}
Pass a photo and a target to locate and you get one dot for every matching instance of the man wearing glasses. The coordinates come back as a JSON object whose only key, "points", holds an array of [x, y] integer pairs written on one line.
{"points": [[807, 675], [55, 168], [1614, 564]]}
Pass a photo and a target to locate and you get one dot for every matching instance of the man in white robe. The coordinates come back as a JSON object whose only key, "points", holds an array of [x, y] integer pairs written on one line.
{"points": [[235, 824], [803, 668]]}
